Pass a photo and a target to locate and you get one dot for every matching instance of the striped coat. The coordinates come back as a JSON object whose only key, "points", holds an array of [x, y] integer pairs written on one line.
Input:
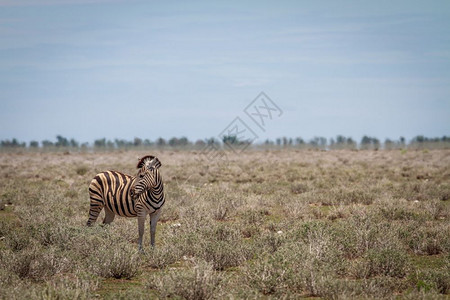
{"points": [[129, 196]]}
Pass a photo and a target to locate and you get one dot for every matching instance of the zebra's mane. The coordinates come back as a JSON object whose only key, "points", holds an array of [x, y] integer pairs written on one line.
{"points": [[144, 160]]}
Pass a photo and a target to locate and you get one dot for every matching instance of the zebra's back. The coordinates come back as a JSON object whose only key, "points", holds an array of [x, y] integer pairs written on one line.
{"points": [[112, 189]]}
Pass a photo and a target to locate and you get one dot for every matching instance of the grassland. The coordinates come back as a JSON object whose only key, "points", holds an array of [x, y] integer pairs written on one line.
{"points": [[270, 224]]}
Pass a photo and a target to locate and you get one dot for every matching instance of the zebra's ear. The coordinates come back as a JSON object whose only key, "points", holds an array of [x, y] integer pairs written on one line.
{"points": [[157, 163]]}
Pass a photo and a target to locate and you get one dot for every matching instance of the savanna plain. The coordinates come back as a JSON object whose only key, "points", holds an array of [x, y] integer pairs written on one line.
{"points": [[267, 224]]}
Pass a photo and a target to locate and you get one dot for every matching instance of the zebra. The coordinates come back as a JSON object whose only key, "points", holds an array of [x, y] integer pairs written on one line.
{"points": [[129, 196]]}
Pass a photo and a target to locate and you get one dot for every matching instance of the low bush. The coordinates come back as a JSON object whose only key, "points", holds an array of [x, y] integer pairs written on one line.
{"points": [[199, 282], [380, 287], [116, 261], [387, 262], [78, 287], [299, 188], [271, 275], [352, 196], [270, 241], [161, 256], [35, 263], [437, 279], [363, 232], [81, 170], [424, 239]]}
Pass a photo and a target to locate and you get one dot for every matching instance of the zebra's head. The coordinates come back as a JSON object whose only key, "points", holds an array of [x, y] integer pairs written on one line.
{"points": [[146, 175]]}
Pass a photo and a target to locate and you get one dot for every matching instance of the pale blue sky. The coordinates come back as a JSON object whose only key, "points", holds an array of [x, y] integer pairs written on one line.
{"points": [[89, 69]]}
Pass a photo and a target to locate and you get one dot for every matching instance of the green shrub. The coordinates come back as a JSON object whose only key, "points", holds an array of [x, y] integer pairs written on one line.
{"points": [[295, 208], [400, 209], [437, 279], [298, 266], [69, 288], [435, 208], [17, 240], [252, 222], [352, 196], [361, 233], [271, 275], [387, 262], [270, 241], [217, 243], [35, 263], [424, 239], [443, 192], [71, 194], [59, 235], [225, 254], [116, 261], [198, 282], [380, 287], [299, 188], [81, 170], [162, 256]]}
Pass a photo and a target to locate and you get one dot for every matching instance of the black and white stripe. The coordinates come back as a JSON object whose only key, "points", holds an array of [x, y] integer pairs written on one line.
{"points": [[129, 196]]}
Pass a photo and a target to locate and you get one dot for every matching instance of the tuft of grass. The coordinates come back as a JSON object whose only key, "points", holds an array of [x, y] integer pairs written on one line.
{"points": [[71, 194], [426, 240], [35, 264], [387, 262], [217, 244], [434, 279], [81, 170], [269, 276], [299, 188], [116, 261], [80, 287], [199, 282], [162, 256]]}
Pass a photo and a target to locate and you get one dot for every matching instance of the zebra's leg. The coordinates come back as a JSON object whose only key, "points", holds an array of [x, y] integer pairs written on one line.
{"points": [[153, 220], [141, 227], [94, 211], [109, 216]]}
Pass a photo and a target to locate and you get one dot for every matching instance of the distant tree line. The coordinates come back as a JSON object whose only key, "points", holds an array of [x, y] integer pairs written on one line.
{"points": [[339, 142]]}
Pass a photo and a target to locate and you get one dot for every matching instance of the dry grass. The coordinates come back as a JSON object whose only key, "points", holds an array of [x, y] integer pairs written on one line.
{"points": [[336, 224]]}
